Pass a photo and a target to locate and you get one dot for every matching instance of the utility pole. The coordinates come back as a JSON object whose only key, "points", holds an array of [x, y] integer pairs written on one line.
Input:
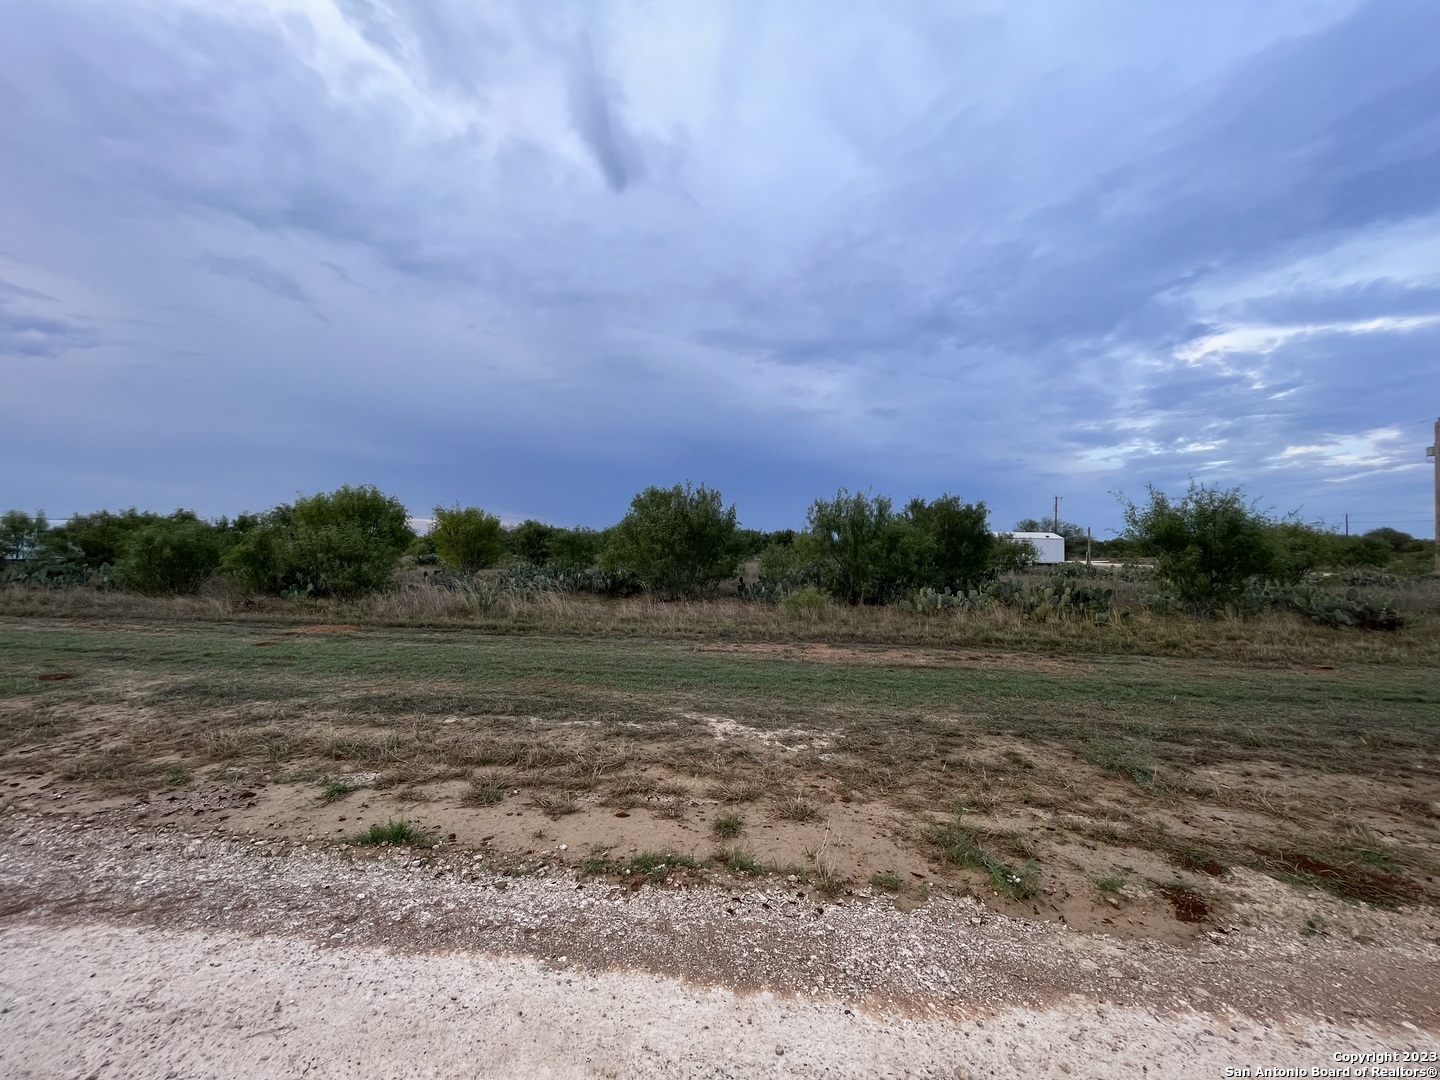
{"points": [[1433, 450], [1087, 546], [1057, 497], [1347, 524]]}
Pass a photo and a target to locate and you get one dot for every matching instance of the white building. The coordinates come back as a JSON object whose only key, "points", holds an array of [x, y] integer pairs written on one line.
{"points": [[1049, 546]]}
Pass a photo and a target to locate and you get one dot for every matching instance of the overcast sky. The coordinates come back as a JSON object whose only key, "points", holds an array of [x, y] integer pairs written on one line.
{"points": [[536, 256]]}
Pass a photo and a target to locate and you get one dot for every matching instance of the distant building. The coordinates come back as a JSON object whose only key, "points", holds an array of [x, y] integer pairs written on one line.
{"points": [[1049, 546]]}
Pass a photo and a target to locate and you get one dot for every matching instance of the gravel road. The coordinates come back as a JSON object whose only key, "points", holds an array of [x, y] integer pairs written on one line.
{"points": [[132, 953]]}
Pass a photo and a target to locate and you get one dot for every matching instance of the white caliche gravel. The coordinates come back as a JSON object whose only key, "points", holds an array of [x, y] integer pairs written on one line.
{"points": [[154, 953]]}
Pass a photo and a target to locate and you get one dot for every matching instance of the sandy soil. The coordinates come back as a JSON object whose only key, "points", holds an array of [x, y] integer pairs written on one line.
{"points": [[129, 951]]}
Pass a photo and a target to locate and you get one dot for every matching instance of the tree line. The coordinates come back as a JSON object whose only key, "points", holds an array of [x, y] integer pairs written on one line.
{"points": [[1209, 545]]}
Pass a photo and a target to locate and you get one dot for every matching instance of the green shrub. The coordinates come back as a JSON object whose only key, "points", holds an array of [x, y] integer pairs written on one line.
{"points": [[99, 539], [575, 549], [261, 557], [530, 540], [957, 548], [341, 544], [1398, 542], [174, 555], [1209, 545], [852, 541], [677, 541], [808, 604], [468, 539], [21, 535]]}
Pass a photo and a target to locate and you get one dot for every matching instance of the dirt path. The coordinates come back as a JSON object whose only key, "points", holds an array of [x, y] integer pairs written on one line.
{"points": [[155, 953]]}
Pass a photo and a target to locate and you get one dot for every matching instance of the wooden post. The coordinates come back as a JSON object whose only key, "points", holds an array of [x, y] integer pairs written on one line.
{"points": [[1087, 547], [1434, 451]]}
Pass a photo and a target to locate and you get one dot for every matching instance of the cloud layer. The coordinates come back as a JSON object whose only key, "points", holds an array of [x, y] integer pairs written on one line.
{"points": [[534, 257]]}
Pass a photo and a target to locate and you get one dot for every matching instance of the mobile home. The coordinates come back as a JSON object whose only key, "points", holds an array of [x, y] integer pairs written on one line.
{"points": [[1049, 546]]}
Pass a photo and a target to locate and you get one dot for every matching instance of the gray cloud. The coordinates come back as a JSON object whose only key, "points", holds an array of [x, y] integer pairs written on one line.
{"points": [[258, 272], [30, 337], [1013, 224], [593, 112]]}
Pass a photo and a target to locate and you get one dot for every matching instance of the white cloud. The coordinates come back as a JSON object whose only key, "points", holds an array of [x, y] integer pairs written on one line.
{"points": [[1263, 340], [1370, 449]]}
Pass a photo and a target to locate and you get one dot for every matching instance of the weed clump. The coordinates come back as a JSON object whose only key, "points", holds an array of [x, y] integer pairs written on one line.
{"points": [[395, 833], [1110, 883], [335, 790], [739, 861], [485, 793], [796, 809], [727, 825], [557, 805], [960, 844]]}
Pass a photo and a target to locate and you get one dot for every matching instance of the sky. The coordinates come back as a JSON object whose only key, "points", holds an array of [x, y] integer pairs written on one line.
{"points": [[536, 257]]}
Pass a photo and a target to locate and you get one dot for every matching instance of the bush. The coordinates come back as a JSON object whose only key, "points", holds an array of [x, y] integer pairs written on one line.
{"points": [[1400, 543], [808, 604], [957, 547], [678, 541], [468, 539], [531, 540], [261, 557], [852, 544], [174, 555], [99, 539], [1208, 545], [340, 544], [575, 549]]}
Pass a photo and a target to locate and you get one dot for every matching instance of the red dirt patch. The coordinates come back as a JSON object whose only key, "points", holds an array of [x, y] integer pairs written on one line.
{"points": [[57, 676]]}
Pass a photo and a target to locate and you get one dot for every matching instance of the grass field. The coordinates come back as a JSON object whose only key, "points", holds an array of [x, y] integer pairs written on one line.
{"points": [[1014, 773]]}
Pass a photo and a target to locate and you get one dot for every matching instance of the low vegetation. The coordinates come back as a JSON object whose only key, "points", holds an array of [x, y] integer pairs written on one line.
{"points": [[395, 833], [1266, 759], [1247, 695]]}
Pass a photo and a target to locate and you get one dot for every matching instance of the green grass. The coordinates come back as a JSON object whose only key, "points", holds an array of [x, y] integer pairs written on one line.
{"points": [[739, 861], [888, 881], [1111, 883], [960, 844], [727, 826], [1130, 759], [335, 790], [657, 866], [395, 833]]}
